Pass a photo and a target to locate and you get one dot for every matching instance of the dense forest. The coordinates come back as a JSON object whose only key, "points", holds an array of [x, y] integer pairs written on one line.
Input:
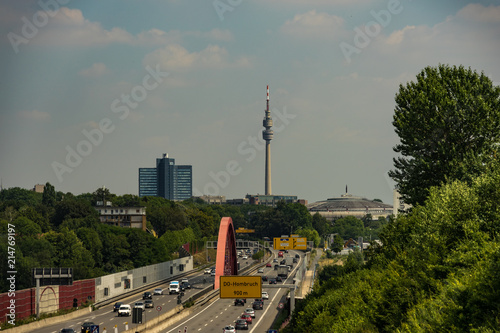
{"points": [[55, 229]]}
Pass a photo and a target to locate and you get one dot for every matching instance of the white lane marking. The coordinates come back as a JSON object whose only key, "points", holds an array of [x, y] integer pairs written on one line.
{"points": [[190, 318], [265, 311]]}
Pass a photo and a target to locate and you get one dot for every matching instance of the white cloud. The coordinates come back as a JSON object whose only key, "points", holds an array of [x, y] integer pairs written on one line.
{"points": [[34, 115], [314, 25], [176, 58], [95, 70], [70, 27], [397, 36], [479, 13]]}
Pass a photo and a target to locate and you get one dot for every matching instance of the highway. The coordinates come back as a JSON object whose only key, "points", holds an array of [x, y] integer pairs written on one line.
{"points": [[105, 317], [211, 318], [214, 316]]}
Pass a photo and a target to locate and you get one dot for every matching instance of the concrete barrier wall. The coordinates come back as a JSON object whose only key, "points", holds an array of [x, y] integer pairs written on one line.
{"points": [[48, 321], [113, 285]]}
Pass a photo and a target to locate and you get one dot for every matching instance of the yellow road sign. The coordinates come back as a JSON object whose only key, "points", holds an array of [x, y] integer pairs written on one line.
{"points": [[240, 286], [281, 243], [299, 243], [244, 231]]}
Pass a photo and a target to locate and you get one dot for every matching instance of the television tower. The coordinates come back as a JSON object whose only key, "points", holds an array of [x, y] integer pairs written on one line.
{"points": [[267, 135]]}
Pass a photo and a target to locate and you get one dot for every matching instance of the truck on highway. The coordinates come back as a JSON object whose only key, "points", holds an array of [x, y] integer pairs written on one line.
{"points": [[283, 271]]}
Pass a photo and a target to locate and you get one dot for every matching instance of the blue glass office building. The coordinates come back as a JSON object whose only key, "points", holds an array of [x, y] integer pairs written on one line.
{"points": [[172, 182]]}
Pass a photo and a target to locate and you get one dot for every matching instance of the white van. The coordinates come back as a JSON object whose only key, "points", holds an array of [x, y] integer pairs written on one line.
{"points": [[124, 310], [174, 287]]}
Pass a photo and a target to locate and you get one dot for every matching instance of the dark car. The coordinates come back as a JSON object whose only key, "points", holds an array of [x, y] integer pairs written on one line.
{"points": [[294, 260], [147, 295], [276, 267], [258, 305], [117, 306], [264, 278], [272, 281], [297, 256], [239, 301], [185, 285], [68, 330], [241, 324], [87, 327], [279, 279], [149, 303]]}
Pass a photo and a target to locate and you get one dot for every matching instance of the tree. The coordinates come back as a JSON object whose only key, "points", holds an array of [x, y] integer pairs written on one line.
{"points": [[349, 227], [338, 244], [49, 195], [449, 125]]}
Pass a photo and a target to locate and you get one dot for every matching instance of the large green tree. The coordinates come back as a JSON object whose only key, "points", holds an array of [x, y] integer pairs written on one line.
{"points": [[448, 122]]}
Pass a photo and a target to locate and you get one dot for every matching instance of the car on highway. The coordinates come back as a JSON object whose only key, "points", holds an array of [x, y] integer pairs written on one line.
{"points": [[250, 311], [268, 264], [140, 305], [264, 278], [174, 288], [147, 295], [272, 281], [275, 260], [117, 305], [212, 273], [240, 301], [297, 256], [229, 329], [207, 271], [260, 270], [149, 303], [265, 295], [124, 310], [241, 324], [158, 291], [67, 330], [294, 260], [247, 317], [258, 305], [245, 257], [87, 326], [279, 279]]}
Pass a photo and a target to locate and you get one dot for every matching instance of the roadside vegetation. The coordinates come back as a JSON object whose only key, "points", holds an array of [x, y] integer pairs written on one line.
{"points": [[437, 267]]}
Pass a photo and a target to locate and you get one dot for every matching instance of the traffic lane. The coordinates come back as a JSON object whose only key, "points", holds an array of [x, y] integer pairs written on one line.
{"points": [[105, 317], [214, 317], [223, 312]]}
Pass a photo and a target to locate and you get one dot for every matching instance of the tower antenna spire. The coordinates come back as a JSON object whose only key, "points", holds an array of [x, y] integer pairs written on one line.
{"points": [[267, 135]]}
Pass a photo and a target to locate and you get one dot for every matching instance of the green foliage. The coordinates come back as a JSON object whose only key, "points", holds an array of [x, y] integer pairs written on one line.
{"points": [[321, 224], [338, 244], [437, 270], [17, 197], [311, 235], [258, 255], [448, 122], [49, 195], [349, 227]]}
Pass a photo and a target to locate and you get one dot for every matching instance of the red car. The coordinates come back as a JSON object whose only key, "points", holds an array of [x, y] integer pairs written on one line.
{"points": [[247, 317], [268, 264]]}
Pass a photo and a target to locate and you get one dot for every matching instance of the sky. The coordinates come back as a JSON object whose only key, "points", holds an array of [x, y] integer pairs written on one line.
{"points": [[91, 91]]}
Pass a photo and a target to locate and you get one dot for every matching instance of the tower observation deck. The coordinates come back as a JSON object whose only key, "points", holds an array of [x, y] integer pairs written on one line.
{"points": [[267, 135]]}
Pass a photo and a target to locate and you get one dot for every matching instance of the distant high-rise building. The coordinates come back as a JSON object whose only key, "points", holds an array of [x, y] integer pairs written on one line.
{"points": [[167, 180], [148, 182]]}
